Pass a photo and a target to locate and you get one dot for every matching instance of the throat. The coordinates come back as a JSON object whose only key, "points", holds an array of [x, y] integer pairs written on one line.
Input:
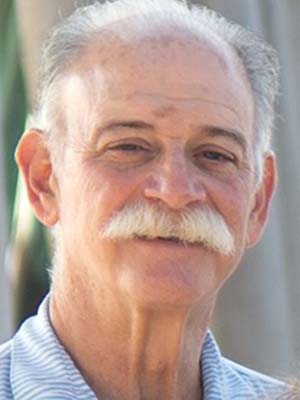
{"points": [[135, 354], [162, 364]]}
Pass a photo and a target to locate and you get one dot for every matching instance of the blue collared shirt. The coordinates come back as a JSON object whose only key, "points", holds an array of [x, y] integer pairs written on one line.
{"points": [[35, 366]]}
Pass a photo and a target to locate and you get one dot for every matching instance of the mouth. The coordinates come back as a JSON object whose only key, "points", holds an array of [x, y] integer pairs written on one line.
{"points": [[171, 241], [169, 238]]}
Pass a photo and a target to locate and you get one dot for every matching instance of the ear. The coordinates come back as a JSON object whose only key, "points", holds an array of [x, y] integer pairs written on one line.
{"points": [[33, 159], [262, 200]]}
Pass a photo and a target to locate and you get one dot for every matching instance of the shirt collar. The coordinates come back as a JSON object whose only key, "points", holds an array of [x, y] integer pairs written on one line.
{"points": [[41, 368], [214, 385]]}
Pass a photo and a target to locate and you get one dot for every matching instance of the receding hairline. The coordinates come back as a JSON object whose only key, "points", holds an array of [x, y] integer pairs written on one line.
{"points": [[98, 54], [128, 31], [110, 38], [104, 51]]}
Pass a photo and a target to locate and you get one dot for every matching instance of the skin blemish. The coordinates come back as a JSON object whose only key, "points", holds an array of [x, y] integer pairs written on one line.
{"points": [[165, 111]]}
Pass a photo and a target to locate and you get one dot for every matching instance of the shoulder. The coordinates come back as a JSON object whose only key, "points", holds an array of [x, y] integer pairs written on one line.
{"points": [[225, 379], [243, 379], [5, 365]]}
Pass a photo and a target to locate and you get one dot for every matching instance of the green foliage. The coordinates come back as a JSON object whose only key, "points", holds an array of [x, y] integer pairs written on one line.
{"points": [[29, 268], [14, 102]]}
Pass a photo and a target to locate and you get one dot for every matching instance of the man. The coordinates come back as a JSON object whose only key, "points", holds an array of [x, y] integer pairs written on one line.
{"points": [[149, 157]]}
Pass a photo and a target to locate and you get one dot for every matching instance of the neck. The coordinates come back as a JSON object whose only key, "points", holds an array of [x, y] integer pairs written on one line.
{"points": [[129, 351]]}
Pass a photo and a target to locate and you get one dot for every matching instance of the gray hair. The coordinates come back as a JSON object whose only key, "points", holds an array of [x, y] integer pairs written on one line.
{"points": [[149, 17]]}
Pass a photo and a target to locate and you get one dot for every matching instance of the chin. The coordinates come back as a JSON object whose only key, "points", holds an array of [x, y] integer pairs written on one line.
{"points": [[168, 286]]}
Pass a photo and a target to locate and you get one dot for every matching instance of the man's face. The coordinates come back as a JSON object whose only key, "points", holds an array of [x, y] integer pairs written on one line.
{"points": [[168, 124]]}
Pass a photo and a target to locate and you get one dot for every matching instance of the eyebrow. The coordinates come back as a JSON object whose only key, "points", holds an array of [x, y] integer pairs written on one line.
{"points": [[134, 124], [116, 125], [212, 131]]}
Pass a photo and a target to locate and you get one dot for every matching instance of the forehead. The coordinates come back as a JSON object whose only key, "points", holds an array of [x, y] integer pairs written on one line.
{"points": [[165, 75]]}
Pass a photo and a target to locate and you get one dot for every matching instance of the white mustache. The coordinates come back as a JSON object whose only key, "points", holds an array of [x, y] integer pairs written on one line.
{"points": [[196, 225]]}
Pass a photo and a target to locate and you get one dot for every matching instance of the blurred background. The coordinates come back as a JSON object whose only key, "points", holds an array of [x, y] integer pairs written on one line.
{"points": [[258, 315]]}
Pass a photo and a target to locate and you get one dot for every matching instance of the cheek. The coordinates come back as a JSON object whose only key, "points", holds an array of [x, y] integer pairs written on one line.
{"points": [[98, 192], [233, 201]]}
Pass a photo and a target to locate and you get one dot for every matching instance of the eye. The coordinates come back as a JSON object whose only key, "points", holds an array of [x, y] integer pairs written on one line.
{"points": [[128, 152], [128, 147], [217, 160], [218, 156]]}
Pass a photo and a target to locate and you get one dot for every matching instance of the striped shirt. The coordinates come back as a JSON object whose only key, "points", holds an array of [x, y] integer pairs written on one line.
{"points": [[35, 366]]}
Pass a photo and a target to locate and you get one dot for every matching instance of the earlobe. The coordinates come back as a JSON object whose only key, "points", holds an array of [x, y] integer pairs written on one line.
{"points": [[33, 159], [262, 200]]}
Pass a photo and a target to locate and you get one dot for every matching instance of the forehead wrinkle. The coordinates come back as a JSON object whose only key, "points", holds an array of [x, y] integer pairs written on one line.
{"points": [[171, 99]]}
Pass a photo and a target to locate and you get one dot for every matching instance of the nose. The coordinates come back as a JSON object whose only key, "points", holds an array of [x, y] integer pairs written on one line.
{"points": [[177, 183]]}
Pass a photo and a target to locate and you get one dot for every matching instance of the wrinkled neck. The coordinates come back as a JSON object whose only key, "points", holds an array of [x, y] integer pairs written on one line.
{"points": [[125, 351]]}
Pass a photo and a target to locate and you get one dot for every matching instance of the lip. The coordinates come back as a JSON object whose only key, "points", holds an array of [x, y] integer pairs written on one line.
{"points": [[168, 244]]}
